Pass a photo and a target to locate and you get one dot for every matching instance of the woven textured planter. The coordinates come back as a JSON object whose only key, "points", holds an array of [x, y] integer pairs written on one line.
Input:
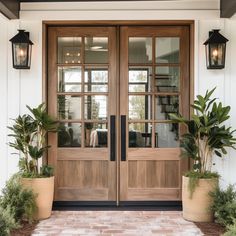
{"points": [[197, 208], [44, 188]]}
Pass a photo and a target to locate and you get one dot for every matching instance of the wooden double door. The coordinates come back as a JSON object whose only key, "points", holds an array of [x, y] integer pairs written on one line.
{"points": [[112, 89]]}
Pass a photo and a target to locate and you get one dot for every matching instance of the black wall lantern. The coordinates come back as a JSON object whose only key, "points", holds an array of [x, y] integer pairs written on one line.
{"points": [[215, 50], [21, 50]]}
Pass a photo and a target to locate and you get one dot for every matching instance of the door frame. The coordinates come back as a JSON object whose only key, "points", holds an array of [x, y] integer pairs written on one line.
{"points": [[115, 23]]}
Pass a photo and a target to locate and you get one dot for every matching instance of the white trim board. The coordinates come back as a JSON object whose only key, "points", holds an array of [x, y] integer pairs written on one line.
{"points": [[124, 5], [120, 15]]}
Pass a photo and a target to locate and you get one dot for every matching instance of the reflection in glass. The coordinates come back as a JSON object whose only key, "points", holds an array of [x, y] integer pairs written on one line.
{"points": [[167, 79], [140, 135], [69, 50], [95, 107], [164, 105], [69, 79], [96, 80], [167, 135], [69, 135], [22, 54], [167, 50], [140, 50], [140, 79], [68, 107], [96, 50], [95, 134], [140, 107]]}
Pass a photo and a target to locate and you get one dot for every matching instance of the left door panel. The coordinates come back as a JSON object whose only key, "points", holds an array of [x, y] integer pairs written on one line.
{"points": [[81, 81]]}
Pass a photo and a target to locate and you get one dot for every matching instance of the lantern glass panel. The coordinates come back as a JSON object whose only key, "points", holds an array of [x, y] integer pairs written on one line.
{"points": [[207, 56], [20, 54], [29, 55], [217, 54]]}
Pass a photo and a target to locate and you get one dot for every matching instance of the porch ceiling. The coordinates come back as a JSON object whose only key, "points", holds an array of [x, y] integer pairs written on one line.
{"points": [[11, 8]]}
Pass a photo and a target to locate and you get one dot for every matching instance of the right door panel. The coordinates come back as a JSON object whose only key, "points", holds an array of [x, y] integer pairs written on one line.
{"points": [[154, 82]]}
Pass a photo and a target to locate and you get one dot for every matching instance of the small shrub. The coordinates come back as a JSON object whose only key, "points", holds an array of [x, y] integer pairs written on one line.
{"points": [[7, 221], [231, 229], [21, 202], [224, 205]]}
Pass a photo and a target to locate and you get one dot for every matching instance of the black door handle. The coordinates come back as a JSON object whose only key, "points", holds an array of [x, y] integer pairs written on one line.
{"points": [[123, 137], [113, 138]]}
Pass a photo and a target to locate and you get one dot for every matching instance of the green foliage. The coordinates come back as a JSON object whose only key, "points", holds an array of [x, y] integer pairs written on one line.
{"points": [[206, 133], [20, 201], [47, 170], [7, 221], [43, 121], [195, 176], [224, 205], [22, 130], [29, 133], [16, 204], [231, 229]]}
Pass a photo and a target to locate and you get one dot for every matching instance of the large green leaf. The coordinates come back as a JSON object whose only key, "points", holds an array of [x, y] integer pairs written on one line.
{"points": [[177, 118], [218, 153], [206, 124], [42, 119], [201, 101], [208, 94], [36, 152], [192, 127]]}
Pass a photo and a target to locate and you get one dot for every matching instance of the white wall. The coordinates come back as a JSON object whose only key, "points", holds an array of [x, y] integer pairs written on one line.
{"points": [[3, 100], [17, 89], [9, 102], [25, 87]]}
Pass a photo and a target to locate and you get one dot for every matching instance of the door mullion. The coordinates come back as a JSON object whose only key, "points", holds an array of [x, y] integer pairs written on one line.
{"points": [[118, 81], [82, 95]]}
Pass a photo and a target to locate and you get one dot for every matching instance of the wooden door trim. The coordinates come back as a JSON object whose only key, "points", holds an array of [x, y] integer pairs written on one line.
{"points": [[47, 24], [82, 154], [118, 22], [44, 73], [117, 112]]}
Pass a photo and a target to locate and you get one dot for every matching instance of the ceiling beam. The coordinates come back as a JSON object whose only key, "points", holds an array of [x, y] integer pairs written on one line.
{"points": [[227, 8], [10, 8]]}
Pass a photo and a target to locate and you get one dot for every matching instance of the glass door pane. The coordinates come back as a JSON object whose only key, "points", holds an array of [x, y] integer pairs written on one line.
{"points": [[96, 50], [83, 90], [69, 79], [140, 50], [167, 49], [69, 50]]}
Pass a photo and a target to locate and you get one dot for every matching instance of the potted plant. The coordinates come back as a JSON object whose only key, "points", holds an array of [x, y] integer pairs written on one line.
{"points": [[206, 135], [29, 134]]}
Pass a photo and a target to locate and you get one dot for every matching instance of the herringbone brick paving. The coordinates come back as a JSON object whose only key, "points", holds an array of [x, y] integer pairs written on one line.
{"points": [[116, 223]]}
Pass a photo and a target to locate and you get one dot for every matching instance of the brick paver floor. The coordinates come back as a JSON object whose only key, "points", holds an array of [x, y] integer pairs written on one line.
{"points": [[116, 223]]}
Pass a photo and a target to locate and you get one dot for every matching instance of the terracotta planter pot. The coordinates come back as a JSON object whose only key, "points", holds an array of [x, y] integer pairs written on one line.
{"points": [[44, 188], [197, 208]]}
